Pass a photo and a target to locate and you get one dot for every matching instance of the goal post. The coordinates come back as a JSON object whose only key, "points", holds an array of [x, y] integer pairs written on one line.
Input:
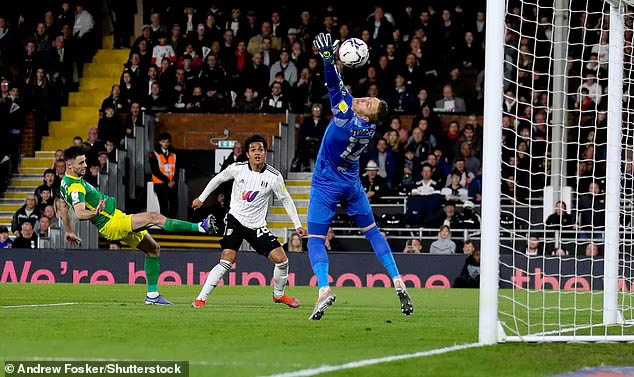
{"points": [[553, 132]]}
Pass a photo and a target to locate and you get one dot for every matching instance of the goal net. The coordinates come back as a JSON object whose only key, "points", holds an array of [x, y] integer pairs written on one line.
{"points": [[558, 200]]}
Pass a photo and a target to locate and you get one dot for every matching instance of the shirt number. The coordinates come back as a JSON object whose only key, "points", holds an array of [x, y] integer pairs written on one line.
{"points": [[354, 149]]}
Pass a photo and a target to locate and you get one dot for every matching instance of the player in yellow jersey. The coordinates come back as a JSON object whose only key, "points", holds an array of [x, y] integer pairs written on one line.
{"points": [[91, 204]]}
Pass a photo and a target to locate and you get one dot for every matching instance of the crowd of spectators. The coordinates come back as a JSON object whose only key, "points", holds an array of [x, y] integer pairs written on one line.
{"points": [[42, 52]]}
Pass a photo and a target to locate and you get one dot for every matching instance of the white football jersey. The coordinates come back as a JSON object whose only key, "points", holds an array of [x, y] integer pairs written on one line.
{"points": [[251, 193]]}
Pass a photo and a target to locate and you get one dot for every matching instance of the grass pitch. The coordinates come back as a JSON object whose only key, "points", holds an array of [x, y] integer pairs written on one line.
{"points": [[242, 333]]}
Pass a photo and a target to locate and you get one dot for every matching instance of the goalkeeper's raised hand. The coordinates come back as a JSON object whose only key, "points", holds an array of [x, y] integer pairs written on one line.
{"points": [[327, 49]]}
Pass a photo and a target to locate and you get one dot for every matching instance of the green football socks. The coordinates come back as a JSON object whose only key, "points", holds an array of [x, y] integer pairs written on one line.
{"points": [[173, 225], [152, 271]]}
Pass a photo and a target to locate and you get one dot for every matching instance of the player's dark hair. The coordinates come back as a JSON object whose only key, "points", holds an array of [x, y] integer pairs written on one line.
{"points": [[255, 139], [73, 152], [381, 113]]}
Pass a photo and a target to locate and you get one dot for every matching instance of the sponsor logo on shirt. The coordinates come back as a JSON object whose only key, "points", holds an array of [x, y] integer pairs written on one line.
{"points": [[249, 196], [343, 106]]}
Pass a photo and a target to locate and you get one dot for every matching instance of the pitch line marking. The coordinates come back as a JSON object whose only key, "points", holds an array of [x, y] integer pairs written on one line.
{"points": [[38, 305], [380, 360]]}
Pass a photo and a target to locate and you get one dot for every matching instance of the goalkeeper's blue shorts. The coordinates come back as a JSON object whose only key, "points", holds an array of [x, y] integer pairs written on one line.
{"points": [[323, 206]]}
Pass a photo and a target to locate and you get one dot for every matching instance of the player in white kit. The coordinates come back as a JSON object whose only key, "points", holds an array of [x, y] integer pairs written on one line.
{"points": [[253, 184]]}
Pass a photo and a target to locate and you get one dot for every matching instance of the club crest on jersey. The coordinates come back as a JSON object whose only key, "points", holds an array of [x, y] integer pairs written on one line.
{"points": [[249, 196], [343, 106]]}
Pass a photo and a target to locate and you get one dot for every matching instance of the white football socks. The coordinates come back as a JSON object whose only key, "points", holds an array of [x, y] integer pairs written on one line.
{"points": [[280, 278], [398, 283], [213, 279]]}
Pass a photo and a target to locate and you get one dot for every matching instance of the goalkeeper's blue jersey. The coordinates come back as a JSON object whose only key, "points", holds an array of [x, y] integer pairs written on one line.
{"points": [[345, 139]]}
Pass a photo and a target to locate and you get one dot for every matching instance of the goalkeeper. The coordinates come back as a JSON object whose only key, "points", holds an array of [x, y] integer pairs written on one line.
{"points": [[336, 179], [91, 204]]}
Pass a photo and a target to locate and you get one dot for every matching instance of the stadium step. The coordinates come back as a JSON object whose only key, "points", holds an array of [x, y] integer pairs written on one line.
{"points": [[295, 183], [31, 162], [281, 211], [88, 97], [103, 70], [284, 218], [32, 171], [80, 114], [300, 176]]}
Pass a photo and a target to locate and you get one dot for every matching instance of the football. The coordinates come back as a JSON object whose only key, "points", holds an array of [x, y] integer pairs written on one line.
{"points": [[354, 53]]}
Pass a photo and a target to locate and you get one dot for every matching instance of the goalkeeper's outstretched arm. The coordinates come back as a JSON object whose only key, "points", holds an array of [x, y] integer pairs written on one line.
{"points": [[340, 99]]}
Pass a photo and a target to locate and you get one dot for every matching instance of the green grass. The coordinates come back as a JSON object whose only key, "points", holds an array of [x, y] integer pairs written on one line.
{"points": [[241, 333]]}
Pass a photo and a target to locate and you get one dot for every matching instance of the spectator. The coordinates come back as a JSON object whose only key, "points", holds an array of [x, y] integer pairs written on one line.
{"points": [[380, 28], [472, 163], [468, 247], [255, 43], [311, 132], [156, 102], [285, 66], [295, 244], [27, 239], [534, 248], [437, 174], [5, 241], [373, 184], [257, 74], [44, 226], [110, 126], [49, 183], [592, 250], [102, 162], [470, 274], [165, 175], [92, 145], [250, 103], [411, 165], [422, 146], [449, 103], [60, 170], [444, 244], [400, 99], [133, 120], [455, 191], [427, 185], [275, 102], [332, 244], [387, 161], [111, 150], [591, 207], [163, 50], [55, 222], [82, 31], [45, 199], [413, 247], [29, 212], [560, 220], [468, 219]]}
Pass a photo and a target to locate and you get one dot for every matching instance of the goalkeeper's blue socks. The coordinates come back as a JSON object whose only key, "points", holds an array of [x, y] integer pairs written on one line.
{"points": [[319, 260], [383, 252]]}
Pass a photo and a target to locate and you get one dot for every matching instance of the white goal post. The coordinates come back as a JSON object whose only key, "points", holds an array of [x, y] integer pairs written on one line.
{"points": [[557, 141]]}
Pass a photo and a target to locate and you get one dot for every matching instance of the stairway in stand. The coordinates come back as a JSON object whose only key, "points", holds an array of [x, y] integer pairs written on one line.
{"points": [[81, 114], [298, 185]]}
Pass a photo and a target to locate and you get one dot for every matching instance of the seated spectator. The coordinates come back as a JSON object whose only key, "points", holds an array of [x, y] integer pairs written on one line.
{"points": [[455, 191], [442, 164], [133, 120], [422, 147], [413, 247], [163, 50], [460, 169], [110, 127], [258, 74], [444, 244], [472, 163], [115, 101], [102, 159], [592, 250], [311, 132], [387, 160], [111, 149], [449, 103], [46, 199], [400, 99], [373, 184], [92, 175], [534, 248], [250, 103], [44, 226], [560, 220], [129, 90], [295, 244], [475, 188], [60, 170], [470, 274], [93, 145], [220, 209], [591, 207], [77, 142], [411, 166], [156, 102], [468, 219], [332, 244], [29, 212], [55, 222], [427, 185], [437, 174], [275, 102], [256, 43], [197, 104], [468, 247], [5, 241], [27, 239], [49, 183], [285, 66]]}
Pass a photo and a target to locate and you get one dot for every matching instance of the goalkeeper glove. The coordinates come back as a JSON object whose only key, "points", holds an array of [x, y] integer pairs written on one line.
{"points": [[327, 49]]}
